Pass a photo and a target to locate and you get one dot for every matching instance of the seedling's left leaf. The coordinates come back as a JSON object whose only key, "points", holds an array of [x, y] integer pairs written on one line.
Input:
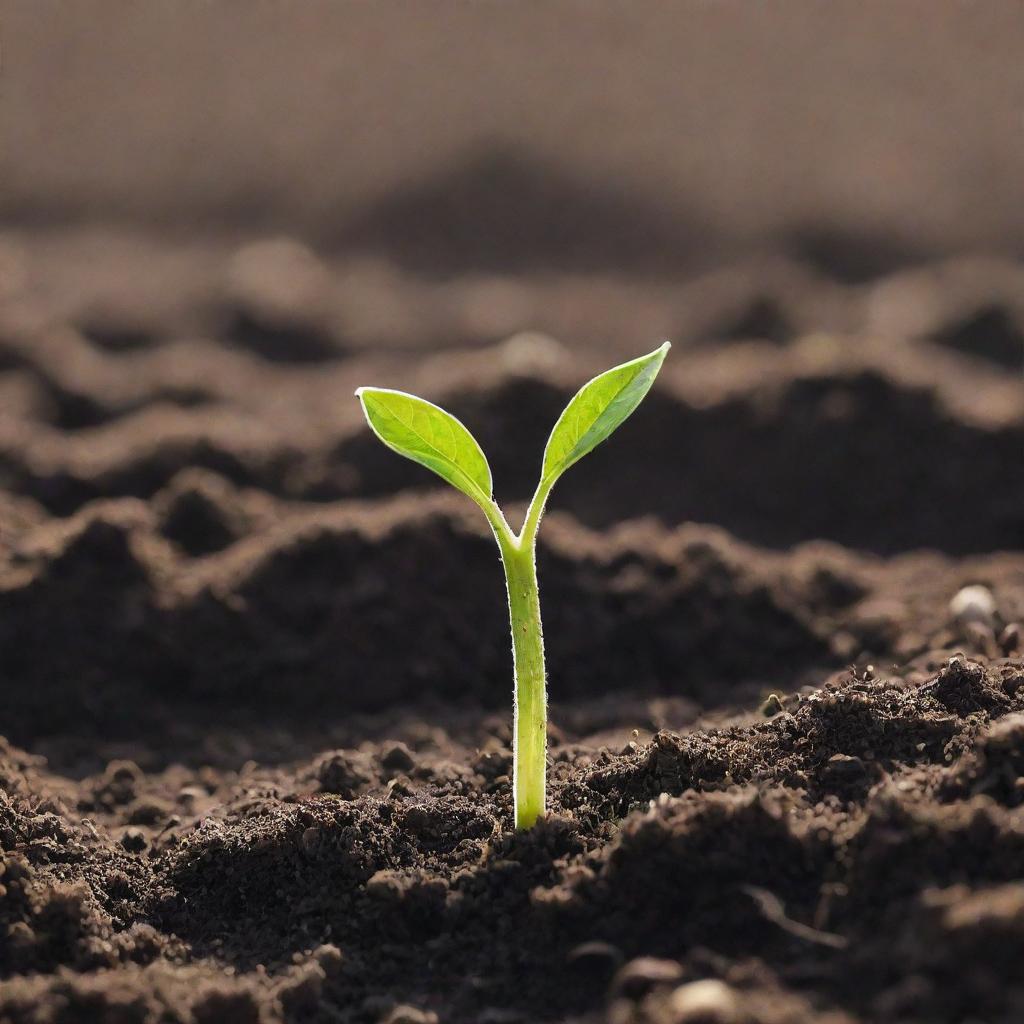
{"points": [[599, 408], [425, 433]]}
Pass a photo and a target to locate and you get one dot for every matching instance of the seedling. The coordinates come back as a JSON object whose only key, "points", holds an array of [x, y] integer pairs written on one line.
{"points": [[432, 437]]}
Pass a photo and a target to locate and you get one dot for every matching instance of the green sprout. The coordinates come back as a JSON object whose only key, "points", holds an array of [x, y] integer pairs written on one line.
{"points": [[432, 437]]}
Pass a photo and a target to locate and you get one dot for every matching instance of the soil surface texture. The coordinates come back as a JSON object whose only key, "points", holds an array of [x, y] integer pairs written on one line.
{"points": [[256, 678]]}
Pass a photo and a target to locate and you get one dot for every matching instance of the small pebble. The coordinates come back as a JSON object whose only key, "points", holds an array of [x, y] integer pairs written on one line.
{"points": [[1009, 639], [635, 979], [708, 1001], [843, 766], [973, 604]]}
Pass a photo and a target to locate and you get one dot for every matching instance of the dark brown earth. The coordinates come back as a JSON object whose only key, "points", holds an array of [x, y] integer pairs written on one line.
{"points": [[256, 677]]}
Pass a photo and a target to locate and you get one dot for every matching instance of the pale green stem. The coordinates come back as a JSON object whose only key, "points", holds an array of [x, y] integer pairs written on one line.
{"points": [[529, 725]]}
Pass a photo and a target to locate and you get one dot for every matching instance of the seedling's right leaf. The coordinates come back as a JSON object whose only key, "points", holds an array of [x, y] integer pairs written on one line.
{"points": [[599, 408], [430, 436]]}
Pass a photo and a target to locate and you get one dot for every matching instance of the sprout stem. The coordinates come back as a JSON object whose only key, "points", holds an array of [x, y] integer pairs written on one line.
{"points": [[529, 725]]}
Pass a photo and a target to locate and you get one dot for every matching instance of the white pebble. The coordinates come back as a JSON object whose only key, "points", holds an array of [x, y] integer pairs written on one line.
{"points": [[973, 604], [708, 1001]]}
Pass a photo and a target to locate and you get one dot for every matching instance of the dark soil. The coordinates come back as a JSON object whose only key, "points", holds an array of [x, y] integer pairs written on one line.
{"points": [[256, 676]]}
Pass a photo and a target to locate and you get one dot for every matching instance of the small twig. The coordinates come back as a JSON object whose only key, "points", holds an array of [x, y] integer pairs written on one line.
{"points": [[773, 910]]}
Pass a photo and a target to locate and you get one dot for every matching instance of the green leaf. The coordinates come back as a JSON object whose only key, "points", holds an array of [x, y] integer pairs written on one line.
{"points": [[598, 409], [430, 436]]}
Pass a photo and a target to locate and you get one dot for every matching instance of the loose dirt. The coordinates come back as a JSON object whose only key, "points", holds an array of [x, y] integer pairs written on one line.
{"points": [[256, 675]]}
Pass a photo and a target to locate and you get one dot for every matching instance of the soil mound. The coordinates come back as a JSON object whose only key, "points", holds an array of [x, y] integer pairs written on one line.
{"points": [[256, 668]]}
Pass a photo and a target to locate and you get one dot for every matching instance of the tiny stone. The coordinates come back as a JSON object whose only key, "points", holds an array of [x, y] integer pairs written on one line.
{"points": [[1009, 639], [708, 1001], [973, 604], [844, 766], [635, 979]]}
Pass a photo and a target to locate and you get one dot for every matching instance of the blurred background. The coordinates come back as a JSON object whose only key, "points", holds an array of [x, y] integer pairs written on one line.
{"points": [[216, 219], [579, 136]]}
